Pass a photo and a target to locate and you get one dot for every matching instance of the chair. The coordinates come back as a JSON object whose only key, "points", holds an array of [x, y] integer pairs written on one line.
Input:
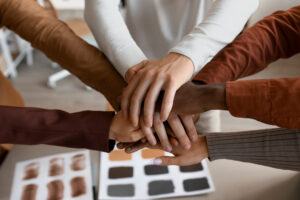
{"points": [[14, 50]]}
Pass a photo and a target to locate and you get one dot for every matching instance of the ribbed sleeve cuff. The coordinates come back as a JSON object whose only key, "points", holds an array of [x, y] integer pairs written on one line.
{"points": [[249, 99], [277, 148]]}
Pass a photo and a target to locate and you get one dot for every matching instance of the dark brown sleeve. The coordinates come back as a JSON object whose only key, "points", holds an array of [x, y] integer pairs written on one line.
{"points": [[48, 34], [276, 36], [88, 129]]}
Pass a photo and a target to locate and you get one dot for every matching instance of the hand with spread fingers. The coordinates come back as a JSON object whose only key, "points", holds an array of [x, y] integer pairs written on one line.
{"points": [[182, 157], [147, 79], [122, 130]]}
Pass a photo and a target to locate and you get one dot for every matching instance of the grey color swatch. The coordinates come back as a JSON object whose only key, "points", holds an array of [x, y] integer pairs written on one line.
{"points": [[195, 184], [160, 187], [126, 190], [155, 170], [191, 168]]}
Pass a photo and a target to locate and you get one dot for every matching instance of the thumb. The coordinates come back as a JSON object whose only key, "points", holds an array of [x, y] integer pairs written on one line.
{"points": [[167, 160]]}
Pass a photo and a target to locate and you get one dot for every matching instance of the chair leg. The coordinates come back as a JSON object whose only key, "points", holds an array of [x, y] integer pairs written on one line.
{"points": [[56, 77], [29, 57]]}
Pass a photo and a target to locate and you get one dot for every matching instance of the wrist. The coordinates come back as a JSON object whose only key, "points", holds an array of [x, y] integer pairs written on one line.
{"points": [[215, 95], [111, 133], [203, 147], [183, 59]]}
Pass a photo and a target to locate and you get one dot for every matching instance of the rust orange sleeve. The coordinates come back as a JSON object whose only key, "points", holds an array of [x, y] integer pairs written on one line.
{"points": [[272, 101]]}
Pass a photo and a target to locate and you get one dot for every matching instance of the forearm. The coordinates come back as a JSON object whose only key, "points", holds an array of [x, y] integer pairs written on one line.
{"points": [[112, 35], [222, 23], [274, 37], [31, 126], [59, 43], [277, 148], [194, 98], [271, 101]]}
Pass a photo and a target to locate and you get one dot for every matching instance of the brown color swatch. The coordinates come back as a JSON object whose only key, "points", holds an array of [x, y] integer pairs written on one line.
{"points": [[119, 155], [55, 190], [120, 172], [56, 166], [31, 171], [78, 162], [152, 153], [78, 186], [29, 192]]}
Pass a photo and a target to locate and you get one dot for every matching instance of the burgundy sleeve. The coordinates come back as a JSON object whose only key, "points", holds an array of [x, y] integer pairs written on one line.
{"points": [[276, 36], [87, 129]]}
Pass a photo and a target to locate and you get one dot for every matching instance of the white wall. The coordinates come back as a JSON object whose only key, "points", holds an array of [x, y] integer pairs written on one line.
{"points": [[267, 7]]}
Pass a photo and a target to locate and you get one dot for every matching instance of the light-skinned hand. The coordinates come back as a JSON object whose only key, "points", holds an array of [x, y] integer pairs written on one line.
{"points": [[182, 127], [122, 130], [145, 82]]}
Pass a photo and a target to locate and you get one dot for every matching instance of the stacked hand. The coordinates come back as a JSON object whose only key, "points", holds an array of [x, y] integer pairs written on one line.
{"points": [[145, 82], [142, 99], [122, 130]]}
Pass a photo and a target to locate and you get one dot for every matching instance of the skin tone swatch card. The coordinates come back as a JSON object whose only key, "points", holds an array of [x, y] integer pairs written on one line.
{"points": [[57, 177], [133, 176]]}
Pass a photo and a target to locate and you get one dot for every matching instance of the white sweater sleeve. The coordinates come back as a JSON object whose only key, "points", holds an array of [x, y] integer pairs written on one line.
{"points": [[112, 35], [221, 25]]}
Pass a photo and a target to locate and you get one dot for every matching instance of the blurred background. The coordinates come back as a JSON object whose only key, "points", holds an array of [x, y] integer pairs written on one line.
{"points": [[43, 83]]}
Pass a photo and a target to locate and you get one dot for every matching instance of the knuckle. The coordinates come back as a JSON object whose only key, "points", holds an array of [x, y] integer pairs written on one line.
{"points": [[130, 70], [185, 117], [190, 130], [156, 122], [140, 73], [171, 78], [135, 98], [172, 118], [160, 75], [150, 73]]}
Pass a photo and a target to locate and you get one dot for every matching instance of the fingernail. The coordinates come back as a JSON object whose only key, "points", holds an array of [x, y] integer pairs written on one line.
{"points": [[128, 149], [187, 146], [157, 161], [153, 142], [195, 137], [168, 148]]}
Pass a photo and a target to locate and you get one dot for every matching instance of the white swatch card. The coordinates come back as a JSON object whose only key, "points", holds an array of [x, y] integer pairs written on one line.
{"points": [[133, 176], [61, 176]]}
